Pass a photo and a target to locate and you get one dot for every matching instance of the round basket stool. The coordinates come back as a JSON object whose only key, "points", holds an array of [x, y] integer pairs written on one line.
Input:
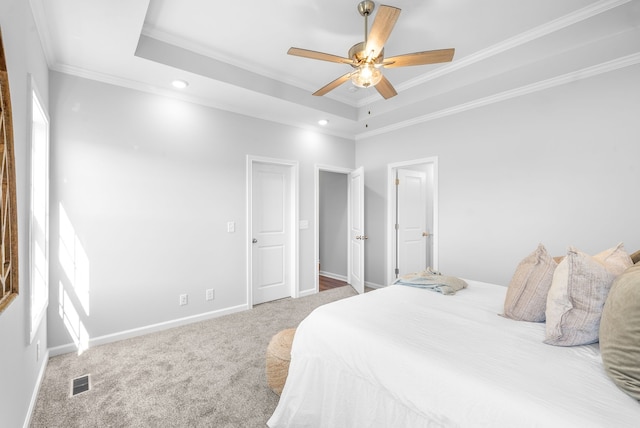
{"points": [[278, 358]]}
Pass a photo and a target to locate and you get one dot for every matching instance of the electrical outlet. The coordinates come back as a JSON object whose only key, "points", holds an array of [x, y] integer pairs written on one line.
{"points": [[210, 295], [183, 299]]}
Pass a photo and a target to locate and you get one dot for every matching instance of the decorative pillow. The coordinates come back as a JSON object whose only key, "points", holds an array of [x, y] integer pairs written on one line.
{"points": [[620, 332], [526, 298], [635, 257], [616, 259], [574, 305]]}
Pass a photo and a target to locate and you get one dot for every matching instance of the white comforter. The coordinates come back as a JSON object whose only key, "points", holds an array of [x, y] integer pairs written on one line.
{"points": [[407, 357]]}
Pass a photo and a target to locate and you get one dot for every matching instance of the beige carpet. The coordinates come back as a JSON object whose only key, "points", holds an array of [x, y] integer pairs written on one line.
{"points": [[207, 374]]}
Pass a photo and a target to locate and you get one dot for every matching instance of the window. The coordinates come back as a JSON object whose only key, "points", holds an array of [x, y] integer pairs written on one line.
{"points": [[8, 217], [39, 236]]}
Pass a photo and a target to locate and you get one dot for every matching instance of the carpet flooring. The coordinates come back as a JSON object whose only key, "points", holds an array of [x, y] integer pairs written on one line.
{"points": [[206, 374]]}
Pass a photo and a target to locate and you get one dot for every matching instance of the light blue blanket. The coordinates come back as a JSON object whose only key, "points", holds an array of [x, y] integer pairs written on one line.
{"points": [[433, 281]]}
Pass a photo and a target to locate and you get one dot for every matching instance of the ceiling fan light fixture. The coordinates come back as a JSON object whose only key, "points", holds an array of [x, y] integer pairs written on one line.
{"points": [[366, 75]]}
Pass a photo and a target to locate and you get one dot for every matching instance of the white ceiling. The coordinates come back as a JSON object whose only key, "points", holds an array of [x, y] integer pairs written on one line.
{"points": [[234, 53]]}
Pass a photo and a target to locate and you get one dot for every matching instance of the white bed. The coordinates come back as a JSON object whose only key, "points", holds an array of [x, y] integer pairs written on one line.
{"points": [[408, 357]]}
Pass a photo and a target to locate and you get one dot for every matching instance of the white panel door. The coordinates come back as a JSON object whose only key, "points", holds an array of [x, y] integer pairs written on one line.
{"points": [[271, 206], [412, 221], [356, 226]]}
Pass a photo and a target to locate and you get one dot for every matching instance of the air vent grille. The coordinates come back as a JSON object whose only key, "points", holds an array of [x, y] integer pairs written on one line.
{"points": [[80, 384]]}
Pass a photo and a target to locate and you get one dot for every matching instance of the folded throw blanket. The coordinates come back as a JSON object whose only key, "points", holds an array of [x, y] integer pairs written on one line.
{"points": [[432, 280]]}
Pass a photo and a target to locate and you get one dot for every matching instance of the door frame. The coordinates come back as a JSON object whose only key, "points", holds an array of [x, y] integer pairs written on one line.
{"points": [[391, 205], [340, 170], [360, 286], [294, 256]]}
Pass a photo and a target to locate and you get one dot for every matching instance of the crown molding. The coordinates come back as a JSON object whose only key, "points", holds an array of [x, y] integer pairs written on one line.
{"points": [[44, 33], [263, 71], [507, 44], [574, 76], [203, 101]]}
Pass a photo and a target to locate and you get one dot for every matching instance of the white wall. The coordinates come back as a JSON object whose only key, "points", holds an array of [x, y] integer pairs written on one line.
{"points": [[148, 184], [21, 370], [559, 167], [333, 220]]}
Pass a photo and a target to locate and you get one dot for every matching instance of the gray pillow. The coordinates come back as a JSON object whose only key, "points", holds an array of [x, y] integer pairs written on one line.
{"points": [[620, 332], [578, 292]]}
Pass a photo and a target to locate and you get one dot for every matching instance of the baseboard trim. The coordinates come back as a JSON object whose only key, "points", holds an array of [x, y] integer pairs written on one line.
{"points": [[373, 285], [127, 334], [36, 389], [333, 276], [305, 293]]}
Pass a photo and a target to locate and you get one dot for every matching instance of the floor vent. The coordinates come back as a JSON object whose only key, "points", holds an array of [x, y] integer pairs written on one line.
{"points": [[79, 385]]}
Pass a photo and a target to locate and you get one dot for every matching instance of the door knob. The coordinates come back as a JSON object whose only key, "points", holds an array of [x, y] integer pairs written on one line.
{"points": [[364, 237], [254, 241], [425, 233]]}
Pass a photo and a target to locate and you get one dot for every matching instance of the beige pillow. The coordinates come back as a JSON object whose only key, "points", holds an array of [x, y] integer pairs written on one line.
{"points": [[620, 332], [635, 257], [526, 298], [616, 259], [578, 292]]}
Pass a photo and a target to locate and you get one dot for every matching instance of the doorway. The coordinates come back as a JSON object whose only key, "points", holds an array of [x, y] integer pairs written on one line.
{"points": [[412, 217], [333, 216], [272, 236], [354, 238]]}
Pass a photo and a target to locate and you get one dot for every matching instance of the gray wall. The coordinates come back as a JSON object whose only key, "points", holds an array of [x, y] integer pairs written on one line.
{"points": [[333, 223], [148, 184], [20, 367], [560, 166]]}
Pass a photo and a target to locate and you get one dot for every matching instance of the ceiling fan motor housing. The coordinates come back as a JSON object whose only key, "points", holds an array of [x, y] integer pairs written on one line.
{"points": [[366, 7]]}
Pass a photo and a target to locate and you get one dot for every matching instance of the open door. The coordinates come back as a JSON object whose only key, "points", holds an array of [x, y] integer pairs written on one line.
{"points": [[356, 230]]}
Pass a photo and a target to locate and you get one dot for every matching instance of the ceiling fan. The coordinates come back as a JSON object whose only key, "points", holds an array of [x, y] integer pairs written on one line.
{"points": [[367, 58]]}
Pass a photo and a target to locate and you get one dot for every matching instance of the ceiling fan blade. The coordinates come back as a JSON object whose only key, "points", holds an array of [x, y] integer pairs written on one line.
{"points": [[419, 58], [385, 88], [331, 86], [380, 30], [318, 55]]}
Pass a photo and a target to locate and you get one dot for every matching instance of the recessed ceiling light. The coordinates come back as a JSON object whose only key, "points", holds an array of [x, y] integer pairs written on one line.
{"points": [[180, 84], [323, 122]]}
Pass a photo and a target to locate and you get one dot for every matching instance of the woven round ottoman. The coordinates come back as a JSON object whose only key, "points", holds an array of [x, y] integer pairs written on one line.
{"points": [[278, 358]]}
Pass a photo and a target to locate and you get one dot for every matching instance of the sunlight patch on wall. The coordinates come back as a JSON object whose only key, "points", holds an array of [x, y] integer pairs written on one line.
{"points": [[75, 264], [74, 260], [72, 320]]}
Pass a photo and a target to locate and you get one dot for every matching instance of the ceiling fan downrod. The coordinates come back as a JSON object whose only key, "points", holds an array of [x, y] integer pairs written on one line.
{"points": [[366, 8]]}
